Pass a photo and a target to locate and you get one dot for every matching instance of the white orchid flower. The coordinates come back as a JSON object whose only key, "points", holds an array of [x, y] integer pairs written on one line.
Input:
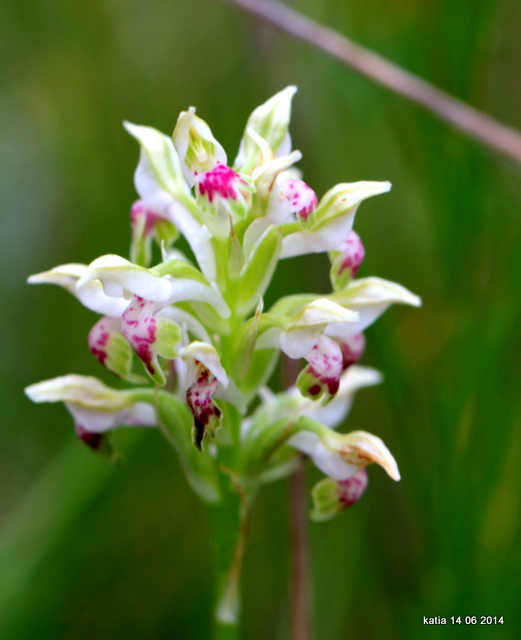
{"points": [[330, 222], [292, 404], [94, 407], [160, 182], [303, 330], [332, 496], [341, 456], [151, 291], [346, 260], [204, 373], [200, 321], [199, 152], [302, 337]]}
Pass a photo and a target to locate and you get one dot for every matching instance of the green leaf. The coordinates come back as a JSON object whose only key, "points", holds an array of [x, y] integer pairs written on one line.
{"points": [[258, 271]]}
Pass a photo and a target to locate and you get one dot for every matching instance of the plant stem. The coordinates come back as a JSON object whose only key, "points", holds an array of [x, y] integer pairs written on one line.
{"points": [[227, 610], [226, 525], [299, 550], [229, 521], [300, 588]]}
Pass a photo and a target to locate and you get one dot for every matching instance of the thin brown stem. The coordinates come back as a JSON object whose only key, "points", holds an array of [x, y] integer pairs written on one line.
{"points": [[300, 587], [300, 581], [462, 116]]}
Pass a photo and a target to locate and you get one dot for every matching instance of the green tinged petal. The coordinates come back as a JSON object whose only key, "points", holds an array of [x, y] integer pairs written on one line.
{"points": [[162, 158], [198, 150], [270, 121]]}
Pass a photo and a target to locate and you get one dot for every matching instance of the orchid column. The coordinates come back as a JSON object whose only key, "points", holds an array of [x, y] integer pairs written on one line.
{"points": [[206, 344]]}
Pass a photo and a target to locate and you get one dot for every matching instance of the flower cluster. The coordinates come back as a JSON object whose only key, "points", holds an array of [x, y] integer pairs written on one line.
{"points": [[197, 322]]}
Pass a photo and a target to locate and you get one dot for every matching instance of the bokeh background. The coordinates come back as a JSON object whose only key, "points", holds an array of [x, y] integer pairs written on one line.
{"points": [[88, 551]]}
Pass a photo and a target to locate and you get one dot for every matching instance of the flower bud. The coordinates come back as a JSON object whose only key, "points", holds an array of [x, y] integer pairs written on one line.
{"points": [[346, 259], [303, 200], [109, 346], [270, 121], [352, 348], [332, 496], [142, 214], [221, 193], [321, 377]]}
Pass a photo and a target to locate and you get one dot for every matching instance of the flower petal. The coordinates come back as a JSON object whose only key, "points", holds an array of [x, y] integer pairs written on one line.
{"points": [[91, 295], [309, 323], [362, 448], [140, 414], [208, 355], [271, 121], [370, 297], [149, 336], [328, 461], [114, 270], [302, 199], [84, 391], [198, 150], [163, 161], [353, 348], [205, 372], [95, 408]]}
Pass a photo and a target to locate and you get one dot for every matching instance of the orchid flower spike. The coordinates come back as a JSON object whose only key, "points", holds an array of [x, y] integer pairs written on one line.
{"points": [[197, 326]]}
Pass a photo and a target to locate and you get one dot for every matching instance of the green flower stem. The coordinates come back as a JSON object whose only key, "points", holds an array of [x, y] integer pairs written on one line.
{"points": [[229, 523]]}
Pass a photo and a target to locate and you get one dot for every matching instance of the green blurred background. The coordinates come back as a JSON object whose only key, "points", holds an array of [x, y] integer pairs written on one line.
{"points": [[88, 551]]}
